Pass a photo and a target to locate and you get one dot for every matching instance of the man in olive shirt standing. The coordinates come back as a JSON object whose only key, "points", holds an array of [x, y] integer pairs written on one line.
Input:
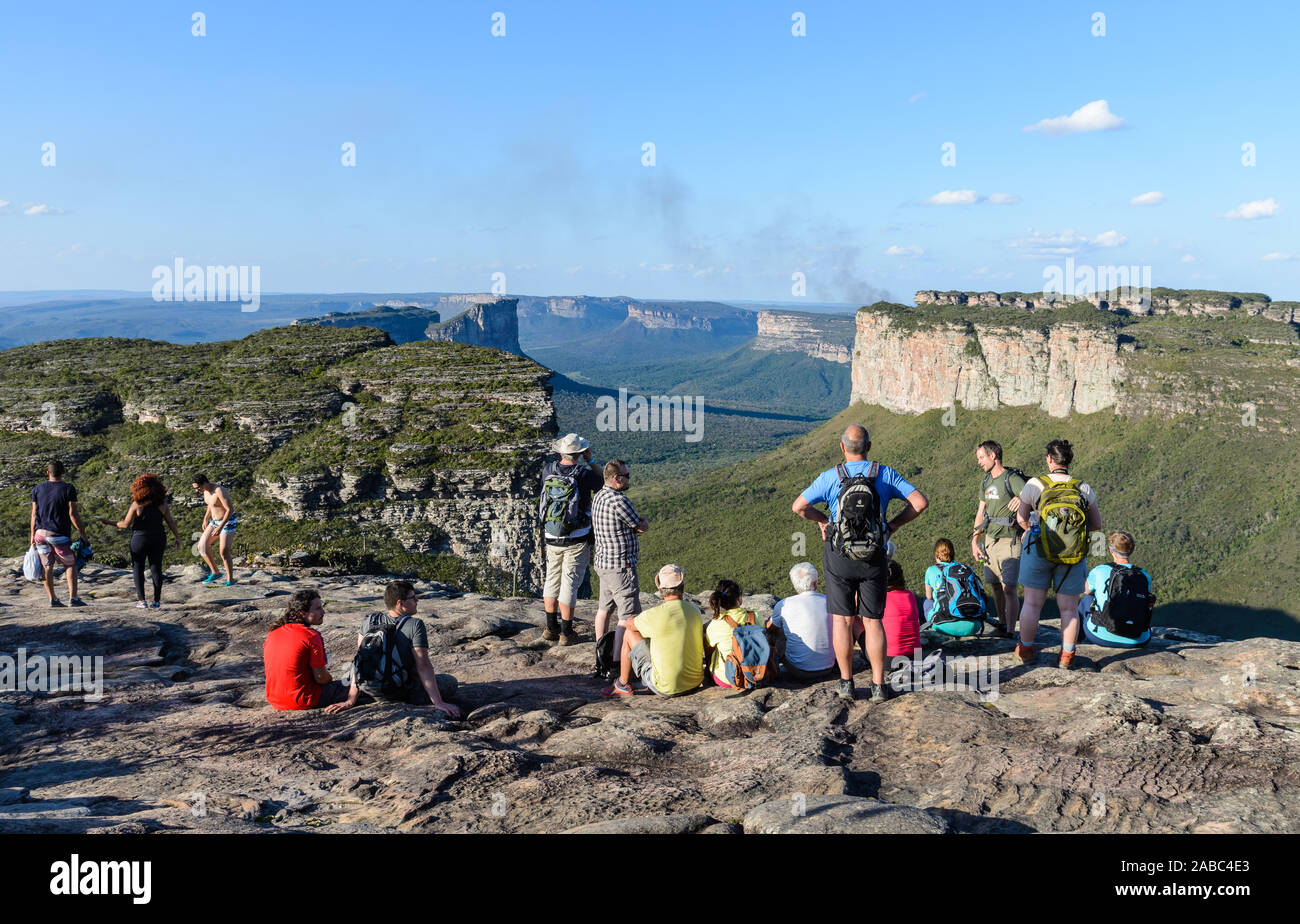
{"points": [[995, 524]]}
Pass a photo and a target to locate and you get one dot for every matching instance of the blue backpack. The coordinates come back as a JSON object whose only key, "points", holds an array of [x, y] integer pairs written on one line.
{"points": [[960, 607]]}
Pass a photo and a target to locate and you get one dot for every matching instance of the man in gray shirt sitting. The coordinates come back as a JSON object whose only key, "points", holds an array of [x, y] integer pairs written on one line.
{"points": [[392, 660]]}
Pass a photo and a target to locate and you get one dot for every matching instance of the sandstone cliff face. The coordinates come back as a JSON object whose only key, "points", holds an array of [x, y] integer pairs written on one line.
{"points": [[714, 319], [820, 336], [491, 325], [1061, 369]]}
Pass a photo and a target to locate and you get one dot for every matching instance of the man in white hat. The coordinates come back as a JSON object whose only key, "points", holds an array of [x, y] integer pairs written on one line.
{"points": [[565, 512], [664, 646]]}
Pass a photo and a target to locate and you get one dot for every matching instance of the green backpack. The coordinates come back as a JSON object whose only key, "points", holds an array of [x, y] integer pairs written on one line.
{"points": [[1062, 521]]}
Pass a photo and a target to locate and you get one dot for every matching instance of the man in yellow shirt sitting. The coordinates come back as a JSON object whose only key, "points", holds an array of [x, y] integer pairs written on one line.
{"points": [[664, 646]]}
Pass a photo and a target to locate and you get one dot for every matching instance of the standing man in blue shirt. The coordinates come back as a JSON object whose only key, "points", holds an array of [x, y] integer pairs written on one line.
{"points": [[855, 562]]}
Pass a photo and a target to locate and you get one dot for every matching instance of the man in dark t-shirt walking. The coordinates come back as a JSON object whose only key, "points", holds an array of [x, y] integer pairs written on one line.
{"points": [[54, 515]]}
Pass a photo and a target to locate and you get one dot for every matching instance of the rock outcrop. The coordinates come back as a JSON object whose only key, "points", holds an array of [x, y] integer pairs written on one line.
{"points": [[403, 323], [821, 336], [1192, 734], [990, 350], [1062, 369], [1192, 303], [494, 324], [332, 441]]}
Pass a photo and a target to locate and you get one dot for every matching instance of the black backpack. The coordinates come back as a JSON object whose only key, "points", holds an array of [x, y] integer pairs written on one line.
{"points": [[860, 531], [377, 668], [560, 507], [605, 664], [1129, 602], [960, 595]]}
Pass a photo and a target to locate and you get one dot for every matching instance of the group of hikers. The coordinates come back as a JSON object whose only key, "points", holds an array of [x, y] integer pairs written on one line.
{"points": [[55, 516], [1028, 532], [1033, 533]]}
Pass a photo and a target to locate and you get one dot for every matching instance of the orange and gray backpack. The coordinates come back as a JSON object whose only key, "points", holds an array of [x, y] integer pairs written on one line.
{"points": [[751, 662]]}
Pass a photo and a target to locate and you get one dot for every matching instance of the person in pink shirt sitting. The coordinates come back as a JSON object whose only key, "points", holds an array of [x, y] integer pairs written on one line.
{"points": [[902, 619]]}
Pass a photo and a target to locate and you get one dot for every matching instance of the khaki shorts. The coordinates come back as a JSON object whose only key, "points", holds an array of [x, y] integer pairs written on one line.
{"points": [[1003, 566], [619, 592], [566, 565]]}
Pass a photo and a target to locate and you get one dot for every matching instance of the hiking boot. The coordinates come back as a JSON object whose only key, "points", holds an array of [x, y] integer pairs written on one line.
{"points": [[845, 691], [879, 692], [1025, 654], [552, 631], [567, 635], [1067, 660]]}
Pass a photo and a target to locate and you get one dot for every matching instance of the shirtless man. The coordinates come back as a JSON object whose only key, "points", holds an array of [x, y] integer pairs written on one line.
{"points": [[218, 520]]}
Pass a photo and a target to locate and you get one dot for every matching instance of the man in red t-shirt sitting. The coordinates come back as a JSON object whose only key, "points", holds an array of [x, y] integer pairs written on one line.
{"points": [[297, 668]]}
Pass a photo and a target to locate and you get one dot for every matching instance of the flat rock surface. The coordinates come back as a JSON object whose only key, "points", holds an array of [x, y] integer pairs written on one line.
{"points": [[1190, 734]]}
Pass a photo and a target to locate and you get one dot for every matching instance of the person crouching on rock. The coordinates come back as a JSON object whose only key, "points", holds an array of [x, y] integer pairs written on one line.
{"points": [[664, 646], [1130, 612], [809, 654], [392, 661], [297, 667]]}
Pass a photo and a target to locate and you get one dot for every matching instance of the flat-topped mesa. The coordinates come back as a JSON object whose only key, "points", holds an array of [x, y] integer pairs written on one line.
{"points": [[990, 350], [828, 337], [1061, 368], [706, 316], [402, 322], [494, 324]]}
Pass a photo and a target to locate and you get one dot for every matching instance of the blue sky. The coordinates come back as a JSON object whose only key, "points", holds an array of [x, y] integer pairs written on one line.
{"points": [[774, 153]]}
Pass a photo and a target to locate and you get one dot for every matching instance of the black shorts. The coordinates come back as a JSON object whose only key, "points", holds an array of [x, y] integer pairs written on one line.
{"points": [[855, 586]]}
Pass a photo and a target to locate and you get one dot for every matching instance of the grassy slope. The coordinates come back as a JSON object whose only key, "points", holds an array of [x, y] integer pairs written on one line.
{"points": [[1215, 511]]}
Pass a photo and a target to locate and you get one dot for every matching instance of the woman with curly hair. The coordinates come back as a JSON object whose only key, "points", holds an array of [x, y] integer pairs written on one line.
{"points": [[145, 518], [297, 668]]}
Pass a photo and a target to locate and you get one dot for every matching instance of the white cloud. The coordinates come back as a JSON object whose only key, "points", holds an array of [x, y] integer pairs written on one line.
{"points": [[1187, 258], [905, 251], [953, 197], [1260, 208], [37, 210], [916, 97], [1280, 256], [1094, 117], [1148, 198], [1003, 199], [1064, 243], [4, 203]]}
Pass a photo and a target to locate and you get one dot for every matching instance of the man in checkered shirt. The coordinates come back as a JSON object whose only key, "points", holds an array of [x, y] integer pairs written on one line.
{"points": [[615, 524]]}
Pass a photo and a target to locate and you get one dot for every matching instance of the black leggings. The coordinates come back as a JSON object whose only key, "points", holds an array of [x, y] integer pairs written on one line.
{"points": [[148, 546]]}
